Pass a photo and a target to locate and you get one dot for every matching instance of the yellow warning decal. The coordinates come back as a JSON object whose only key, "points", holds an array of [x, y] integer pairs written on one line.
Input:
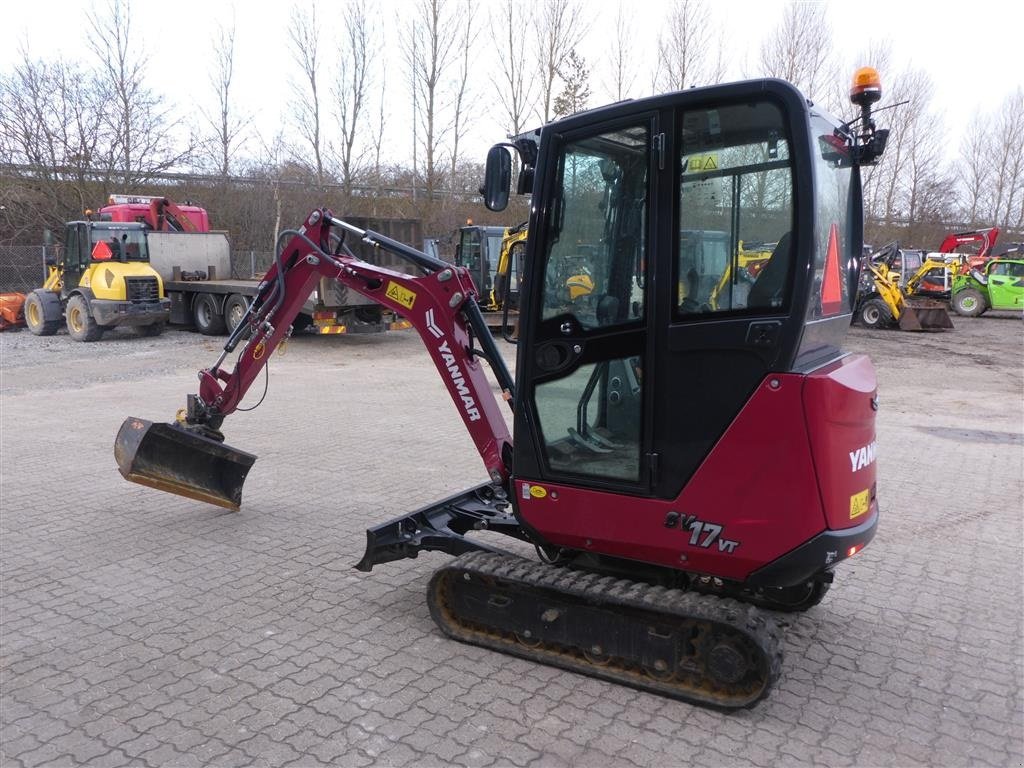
{"points": [[859, 504], [701, 163], [538, 492], [402, 295]]}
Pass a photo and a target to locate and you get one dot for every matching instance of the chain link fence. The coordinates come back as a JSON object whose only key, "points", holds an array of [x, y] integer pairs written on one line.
{"points": [[250, 264], [22, 267]]}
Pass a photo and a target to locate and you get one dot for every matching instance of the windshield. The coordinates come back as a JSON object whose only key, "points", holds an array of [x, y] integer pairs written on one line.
{"points": [[118, 245]]}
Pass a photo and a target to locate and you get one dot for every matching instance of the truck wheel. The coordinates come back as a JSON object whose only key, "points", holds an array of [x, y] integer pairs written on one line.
{"points": [[81, 324], [208, 319], [38, 320], [969, 302], [874, 314], [153, 329], [234, 310]]}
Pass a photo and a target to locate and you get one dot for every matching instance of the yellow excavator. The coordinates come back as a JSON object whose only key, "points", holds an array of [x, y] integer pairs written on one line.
{"points": [[510, 268], [882, 302]]}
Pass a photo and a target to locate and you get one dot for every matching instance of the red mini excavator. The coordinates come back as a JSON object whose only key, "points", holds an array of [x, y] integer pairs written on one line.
{"points": [[679, 461]]}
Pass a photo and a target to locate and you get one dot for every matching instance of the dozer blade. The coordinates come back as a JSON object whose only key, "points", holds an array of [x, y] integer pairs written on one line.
{"points": [[173, 459], [924, 315]]}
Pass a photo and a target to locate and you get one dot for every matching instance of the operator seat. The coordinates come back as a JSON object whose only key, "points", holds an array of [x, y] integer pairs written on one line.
{"points": [[769, 288]]}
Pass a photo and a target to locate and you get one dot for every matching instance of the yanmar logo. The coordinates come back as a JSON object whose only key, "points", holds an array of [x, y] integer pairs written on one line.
{"points": [[862, 457], [468, 403]]}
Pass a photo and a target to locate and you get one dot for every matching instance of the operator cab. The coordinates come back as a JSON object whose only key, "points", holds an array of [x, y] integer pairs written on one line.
{"points": [[478, 250], [89, 242], [646, 326]]}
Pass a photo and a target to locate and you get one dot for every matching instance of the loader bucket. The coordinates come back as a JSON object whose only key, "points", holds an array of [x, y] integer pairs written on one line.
{"points": [[924, 315], [173, 459]]}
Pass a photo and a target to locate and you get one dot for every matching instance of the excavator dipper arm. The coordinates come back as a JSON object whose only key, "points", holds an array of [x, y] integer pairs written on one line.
{"points": [[440, 304]]}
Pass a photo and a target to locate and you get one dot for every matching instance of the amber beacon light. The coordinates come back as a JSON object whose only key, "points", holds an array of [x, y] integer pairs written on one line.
{"points": [[867, 86]]}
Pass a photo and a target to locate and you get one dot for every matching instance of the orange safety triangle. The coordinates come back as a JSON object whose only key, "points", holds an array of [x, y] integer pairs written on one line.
{"points": [[831, 292], [101, 251]]}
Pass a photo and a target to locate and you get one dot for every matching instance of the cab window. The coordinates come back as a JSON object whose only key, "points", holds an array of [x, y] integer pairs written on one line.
{"points": [[735, 212], [593, 270]]}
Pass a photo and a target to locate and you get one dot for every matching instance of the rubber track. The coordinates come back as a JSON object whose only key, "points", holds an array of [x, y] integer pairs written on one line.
{"points": [[721, 614]]}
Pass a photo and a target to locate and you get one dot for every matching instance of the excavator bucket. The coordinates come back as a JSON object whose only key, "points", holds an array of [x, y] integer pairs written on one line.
{"points": [[173, 459], [924, 315]]}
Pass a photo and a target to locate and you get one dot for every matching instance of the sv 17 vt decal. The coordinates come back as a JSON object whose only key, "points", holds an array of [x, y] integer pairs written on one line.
{"points": [[702, 534]]}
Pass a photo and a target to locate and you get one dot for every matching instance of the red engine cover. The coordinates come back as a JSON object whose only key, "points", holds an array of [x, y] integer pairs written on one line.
{"points": [[840, 402], [779, 475]]}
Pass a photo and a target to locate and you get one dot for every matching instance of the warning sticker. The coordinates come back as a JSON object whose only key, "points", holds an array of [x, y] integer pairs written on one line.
{"points": [[701, 163], [859, 504], [538, 492], [402, 295]]}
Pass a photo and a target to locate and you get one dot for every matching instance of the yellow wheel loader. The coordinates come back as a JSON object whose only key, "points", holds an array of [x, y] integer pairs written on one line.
{"points": [[102, 279], [882, 302]]}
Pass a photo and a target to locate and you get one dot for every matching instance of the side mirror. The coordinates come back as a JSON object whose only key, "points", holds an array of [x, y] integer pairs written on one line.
{"points": [[497, 178]]}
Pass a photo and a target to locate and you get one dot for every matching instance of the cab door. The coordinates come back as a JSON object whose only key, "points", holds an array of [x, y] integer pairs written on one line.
{"points": [[1006, 285], [581, 412], [75, 256], [726, 318]]}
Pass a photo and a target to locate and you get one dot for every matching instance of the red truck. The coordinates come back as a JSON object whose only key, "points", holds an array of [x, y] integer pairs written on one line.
{"points": [[158, 213], [194, 263]]}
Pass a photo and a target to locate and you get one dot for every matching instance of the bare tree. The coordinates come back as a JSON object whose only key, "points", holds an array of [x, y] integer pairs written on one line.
{"points": [[517, 92], [228, 125], [560, 27], [912, 187], [798, 50], [304, 35], [429, 51], [353, 85], [927, 194], [684, 47], [977, 167], [468, 33], [620, 67], [1007, 192], [143, 131], [54, 134], [377, 137]]}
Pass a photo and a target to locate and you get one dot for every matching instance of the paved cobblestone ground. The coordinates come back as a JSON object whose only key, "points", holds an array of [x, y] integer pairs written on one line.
{"points": [[143, 629]]}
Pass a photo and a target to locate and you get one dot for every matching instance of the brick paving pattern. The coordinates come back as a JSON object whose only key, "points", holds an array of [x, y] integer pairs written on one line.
{"points": [[144, 629]]}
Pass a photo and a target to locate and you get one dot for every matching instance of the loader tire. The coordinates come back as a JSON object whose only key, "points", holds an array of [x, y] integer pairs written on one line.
{"points": [[42, 313], [207, 316], [81, 324], [969, 302], [874, 314]]}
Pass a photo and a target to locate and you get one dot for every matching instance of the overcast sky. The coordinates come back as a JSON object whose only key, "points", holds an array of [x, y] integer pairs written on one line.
{"points": [[972, 50]]}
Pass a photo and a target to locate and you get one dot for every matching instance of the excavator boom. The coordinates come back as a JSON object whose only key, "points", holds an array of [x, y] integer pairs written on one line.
{"points": [[190, 459]]}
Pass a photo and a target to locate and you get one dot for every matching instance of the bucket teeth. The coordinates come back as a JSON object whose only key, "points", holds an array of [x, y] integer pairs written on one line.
{"points": [[172, 458]]}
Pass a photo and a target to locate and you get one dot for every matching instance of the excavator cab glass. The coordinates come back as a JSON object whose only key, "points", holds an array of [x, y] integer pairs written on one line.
{"points": [[731, 192], [118, 244], [617, 268]]}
